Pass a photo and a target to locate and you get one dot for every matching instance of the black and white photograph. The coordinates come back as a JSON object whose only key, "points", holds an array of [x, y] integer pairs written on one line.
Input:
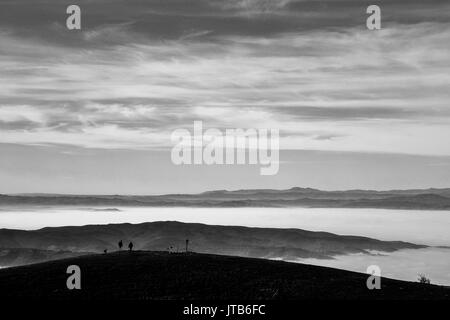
{"points": [[244, 151]]}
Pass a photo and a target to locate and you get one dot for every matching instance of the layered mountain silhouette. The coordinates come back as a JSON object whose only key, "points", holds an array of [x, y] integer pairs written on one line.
{"points": [[435, 199], [273, 243]]}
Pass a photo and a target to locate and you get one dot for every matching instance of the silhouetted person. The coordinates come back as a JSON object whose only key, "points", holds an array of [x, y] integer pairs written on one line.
{"points": [[120, 245], [187, 245], [105, 251], [130, 246]]}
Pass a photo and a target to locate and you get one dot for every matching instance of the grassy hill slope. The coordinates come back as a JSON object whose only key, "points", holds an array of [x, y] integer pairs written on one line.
{"points": [[160, 275]]}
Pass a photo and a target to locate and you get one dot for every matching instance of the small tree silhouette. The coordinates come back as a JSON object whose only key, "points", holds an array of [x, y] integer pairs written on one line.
{"points": [[120, 245], [423, 279]]}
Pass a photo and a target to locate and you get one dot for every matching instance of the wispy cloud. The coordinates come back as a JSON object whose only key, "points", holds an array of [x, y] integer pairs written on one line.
{"points": [[308, 68]]}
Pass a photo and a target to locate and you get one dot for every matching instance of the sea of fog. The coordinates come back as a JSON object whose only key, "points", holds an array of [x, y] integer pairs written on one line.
{"points": [[417, 226]]}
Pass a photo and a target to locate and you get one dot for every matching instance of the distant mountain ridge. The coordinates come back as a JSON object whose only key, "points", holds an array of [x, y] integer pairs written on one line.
{"points": [[431, 199]]}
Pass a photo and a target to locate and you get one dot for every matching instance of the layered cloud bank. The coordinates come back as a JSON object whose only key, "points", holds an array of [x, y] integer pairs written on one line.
{"points": [[138, 70]]}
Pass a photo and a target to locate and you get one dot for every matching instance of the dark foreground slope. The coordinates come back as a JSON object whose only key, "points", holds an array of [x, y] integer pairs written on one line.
{"points": [[159, 275], [12, 257]]}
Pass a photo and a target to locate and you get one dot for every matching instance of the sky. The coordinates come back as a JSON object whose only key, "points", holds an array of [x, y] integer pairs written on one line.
{"points": [[92, 110]]}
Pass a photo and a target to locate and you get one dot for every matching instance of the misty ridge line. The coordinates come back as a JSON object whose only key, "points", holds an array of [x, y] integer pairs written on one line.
{"points": [[414, 199], [285, 243]]}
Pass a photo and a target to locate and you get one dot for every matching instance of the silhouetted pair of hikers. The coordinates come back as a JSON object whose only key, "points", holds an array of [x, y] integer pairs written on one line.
{"points": [[130, 245]]}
